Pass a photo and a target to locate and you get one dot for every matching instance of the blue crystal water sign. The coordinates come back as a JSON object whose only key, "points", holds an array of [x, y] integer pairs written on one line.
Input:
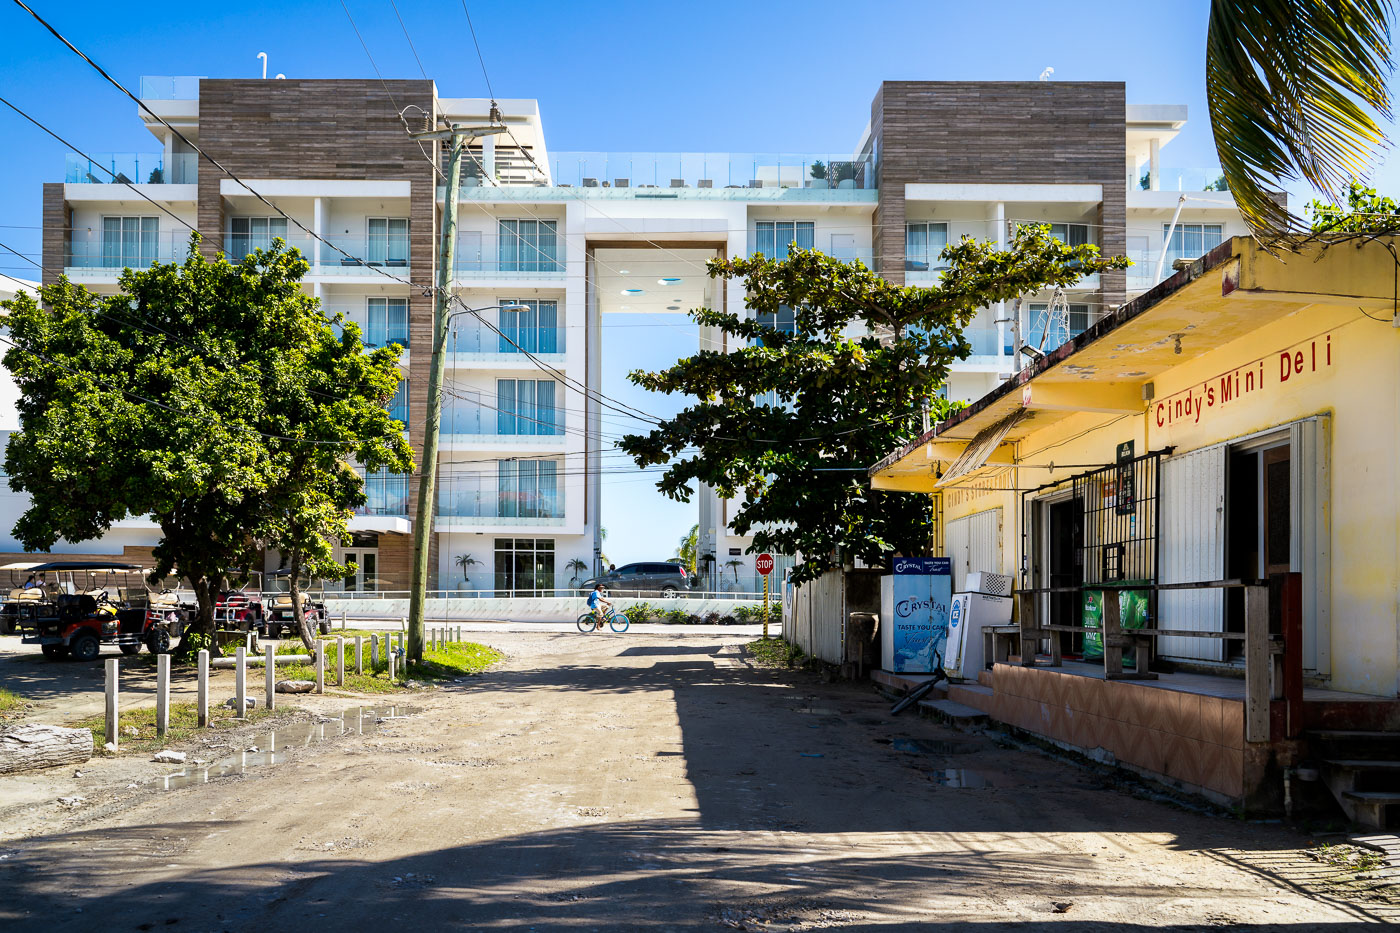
{"points": [[923, 592]]}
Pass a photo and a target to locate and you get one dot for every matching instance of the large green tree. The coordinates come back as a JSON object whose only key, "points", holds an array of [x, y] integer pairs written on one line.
{"points": [[792, 418], [1366, 211], [185, 397], [1294, 89]]}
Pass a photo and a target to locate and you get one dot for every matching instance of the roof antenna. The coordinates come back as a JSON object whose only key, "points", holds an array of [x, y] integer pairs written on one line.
{"points": [[1045, 75], [263, 56]]}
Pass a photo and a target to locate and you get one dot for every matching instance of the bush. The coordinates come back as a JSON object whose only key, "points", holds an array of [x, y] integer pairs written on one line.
{"points": [[728, 620], [638, 613], [676, 616]]}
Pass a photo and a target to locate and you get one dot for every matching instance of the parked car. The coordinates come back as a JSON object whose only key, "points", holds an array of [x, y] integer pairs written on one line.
{"points": [[645, 579]]}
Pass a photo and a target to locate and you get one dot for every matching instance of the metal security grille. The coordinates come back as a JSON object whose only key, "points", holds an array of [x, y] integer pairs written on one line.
{"points": [[1117, 542]]}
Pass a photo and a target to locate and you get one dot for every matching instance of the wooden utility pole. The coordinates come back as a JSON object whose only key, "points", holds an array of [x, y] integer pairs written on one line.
{"points": [[427, 465]]}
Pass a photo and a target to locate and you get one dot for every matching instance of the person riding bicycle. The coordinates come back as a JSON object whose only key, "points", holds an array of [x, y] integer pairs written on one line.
{"points": [[597, 602]]}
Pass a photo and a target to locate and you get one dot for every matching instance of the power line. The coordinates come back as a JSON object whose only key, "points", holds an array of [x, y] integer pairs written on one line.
{"points": [[421, 69], [479, 56]]}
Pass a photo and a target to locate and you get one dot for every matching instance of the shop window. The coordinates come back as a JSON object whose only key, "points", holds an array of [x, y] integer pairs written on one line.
{"points": [[524, 566]]}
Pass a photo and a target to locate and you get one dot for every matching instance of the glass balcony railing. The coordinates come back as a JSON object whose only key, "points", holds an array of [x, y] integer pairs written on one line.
{"points": [[827, 171], [475, 421], [1175, 178], [353, 255], [135, 247], [536, 255], [169, 87], [477, 499], [238, 245], [1142, 274], [387, 494], [477, 341], [382, 322], [131, 168]]}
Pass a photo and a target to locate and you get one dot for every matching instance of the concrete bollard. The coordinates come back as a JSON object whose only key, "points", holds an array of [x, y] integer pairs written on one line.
{"points": [[400, 643], [113, 672], [374, 653], [240, 682], [203, 702], [386, 650], [392, 659], [342, 620], [459, 634], [321, 667], [162, 694], [340, 661], [359, 654], [270, 676]]}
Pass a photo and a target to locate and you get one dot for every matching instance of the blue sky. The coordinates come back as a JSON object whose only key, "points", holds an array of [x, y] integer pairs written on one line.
{"points": [[609, 76]]}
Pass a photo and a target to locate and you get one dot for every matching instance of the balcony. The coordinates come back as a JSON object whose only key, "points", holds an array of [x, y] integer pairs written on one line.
{"points": [[533, 256], [477, 343], [469, 423], [169, 87], [134, 168], [134, 243], [1177, 178], [699, 170], [382, 321], [360, 255], [476, 500], [1142, 274]]}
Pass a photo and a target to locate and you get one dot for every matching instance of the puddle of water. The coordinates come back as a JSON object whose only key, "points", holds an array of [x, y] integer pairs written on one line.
{"points": [[818, 711], [960, 777], [929, 747], [272, 746]]}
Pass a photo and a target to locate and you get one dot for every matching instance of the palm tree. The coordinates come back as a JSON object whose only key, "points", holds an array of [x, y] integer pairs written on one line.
{"points": [[1294, 88], [735, 565], [686, 554], [576, 567], [466, 562]]}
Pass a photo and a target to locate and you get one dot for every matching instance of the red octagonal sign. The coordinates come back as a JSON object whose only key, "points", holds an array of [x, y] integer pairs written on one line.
{"points": [[764, 564]]}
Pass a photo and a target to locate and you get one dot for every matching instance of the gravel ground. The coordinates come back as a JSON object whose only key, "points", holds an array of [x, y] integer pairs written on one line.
{"points": [[638, 782]]}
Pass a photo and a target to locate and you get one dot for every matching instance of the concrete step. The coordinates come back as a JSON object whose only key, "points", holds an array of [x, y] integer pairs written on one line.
{"points": [[953, 713], [1364, 764], [1370, 807]]}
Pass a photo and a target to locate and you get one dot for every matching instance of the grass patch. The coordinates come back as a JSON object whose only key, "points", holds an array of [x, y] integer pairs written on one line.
{"points": [[11, 703], [774, 652], [1347, 858], [451, 661], [184, 723]]}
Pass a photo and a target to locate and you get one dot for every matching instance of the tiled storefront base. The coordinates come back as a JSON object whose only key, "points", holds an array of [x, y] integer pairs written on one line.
{"points": [[1193, 740]]}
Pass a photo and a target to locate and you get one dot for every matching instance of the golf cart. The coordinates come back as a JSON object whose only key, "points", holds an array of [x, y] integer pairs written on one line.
{"points": [[21, 599], [89, 604], [168, 613], [240, 609], [279, 609]]}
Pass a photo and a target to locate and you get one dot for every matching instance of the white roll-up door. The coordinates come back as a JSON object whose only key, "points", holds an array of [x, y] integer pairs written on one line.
{"points": [[1191, 542], [973, 542]]}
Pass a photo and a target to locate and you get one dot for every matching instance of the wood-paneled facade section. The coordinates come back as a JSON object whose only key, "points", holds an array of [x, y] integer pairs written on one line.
{"points": [[1012, 132], [342, 130]]}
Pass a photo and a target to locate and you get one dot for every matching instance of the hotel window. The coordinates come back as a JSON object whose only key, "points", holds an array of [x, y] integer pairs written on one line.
{"points": [[1070, 234], [386, 242], [529, 246], [1038, 317], [784, 320], [773, 238], [1189, 241], [528, 488], [398, 405], [526, 406], [129, 241], [247, 234], [386, 322], [534, 330], [923, 244]]}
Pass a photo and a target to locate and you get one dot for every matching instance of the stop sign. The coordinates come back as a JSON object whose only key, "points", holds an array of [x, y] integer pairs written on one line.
{"points": [[764, 564]]}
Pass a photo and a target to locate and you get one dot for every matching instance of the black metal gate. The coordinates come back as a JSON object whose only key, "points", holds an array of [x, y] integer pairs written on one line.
{"points": [[1117, 540]]}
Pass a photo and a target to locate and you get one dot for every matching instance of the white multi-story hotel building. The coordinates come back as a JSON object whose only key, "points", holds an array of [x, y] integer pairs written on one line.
{"points": [[571, 236]]}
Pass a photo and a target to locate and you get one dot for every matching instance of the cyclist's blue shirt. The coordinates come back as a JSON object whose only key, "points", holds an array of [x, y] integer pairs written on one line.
{"points": [[593, 598]]}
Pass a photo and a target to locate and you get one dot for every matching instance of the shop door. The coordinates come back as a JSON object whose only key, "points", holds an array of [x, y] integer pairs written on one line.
{"points": [[362, 569], [1259, 539], [1193, 550], [1064, 528]]}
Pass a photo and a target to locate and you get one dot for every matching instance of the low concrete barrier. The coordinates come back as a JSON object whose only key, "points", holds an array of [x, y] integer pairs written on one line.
{"points": [[524, 608]]}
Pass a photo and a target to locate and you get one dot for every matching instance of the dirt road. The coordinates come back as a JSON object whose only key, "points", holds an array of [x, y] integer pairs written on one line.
{"points": [[651, 782]]}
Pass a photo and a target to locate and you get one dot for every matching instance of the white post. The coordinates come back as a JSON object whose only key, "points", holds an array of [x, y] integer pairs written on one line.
{"points": [[340, 661], [320, 667], [162, 694], [113, 669], [359, 654], [342, 620], [203, 689], [392, 659], [459, 633], [1154, 178], [373, 652], [270, 676], [240, 682]]}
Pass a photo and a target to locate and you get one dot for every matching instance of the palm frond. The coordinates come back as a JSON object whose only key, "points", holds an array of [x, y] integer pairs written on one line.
{"points": [[1294, 89]]}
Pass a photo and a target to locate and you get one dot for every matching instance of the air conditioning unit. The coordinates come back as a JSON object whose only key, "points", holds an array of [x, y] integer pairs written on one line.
{"points": [[993, 584]]}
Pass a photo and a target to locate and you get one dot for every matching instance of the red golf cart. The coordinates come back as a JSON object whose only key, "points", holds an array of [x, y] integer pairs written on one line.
{"points": [[88, 604]]}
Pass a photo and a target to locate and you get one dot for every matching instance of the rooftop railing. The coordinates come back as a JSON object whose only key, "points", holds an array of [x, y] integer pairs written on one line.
{"points": [[170, 87], [135, 168], [711, 170]]}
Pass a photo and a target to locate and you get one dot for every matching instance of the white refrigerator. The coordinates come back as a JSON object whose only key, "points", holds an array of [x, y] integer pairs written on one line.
{"points": [[969, 614]]}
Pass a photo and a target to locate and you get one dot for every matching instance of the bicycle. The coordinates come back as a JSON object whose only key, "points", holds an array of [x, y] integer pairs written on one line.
{"points": [[615, 620]]}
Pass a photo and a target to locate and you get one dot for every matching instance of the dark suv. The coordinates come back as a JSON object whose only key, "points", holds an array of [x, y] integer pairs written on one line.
{"points": [[666, 580]]}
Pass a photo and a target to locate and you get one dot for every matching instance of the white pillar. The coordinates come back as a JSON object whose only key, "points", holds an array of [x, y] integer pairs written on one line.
{"points": [[488, 157], [318, 226], [360, 652], [340, 661], [270, 676], [113, 672], [320, 667], [240, 682], [162, 694], [1155, 164], [999, 234], [203, 700]]}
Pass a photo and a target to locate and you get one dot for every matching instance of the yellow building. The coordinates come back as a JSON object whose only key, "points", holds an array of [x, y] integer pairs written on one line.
{"points": [[1237, 422]]}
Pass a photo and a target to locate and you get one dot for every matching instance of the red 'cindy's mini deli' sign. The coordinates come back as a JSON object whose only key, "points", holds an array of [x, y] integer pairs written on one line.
{"points": [[1288, 365]]}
